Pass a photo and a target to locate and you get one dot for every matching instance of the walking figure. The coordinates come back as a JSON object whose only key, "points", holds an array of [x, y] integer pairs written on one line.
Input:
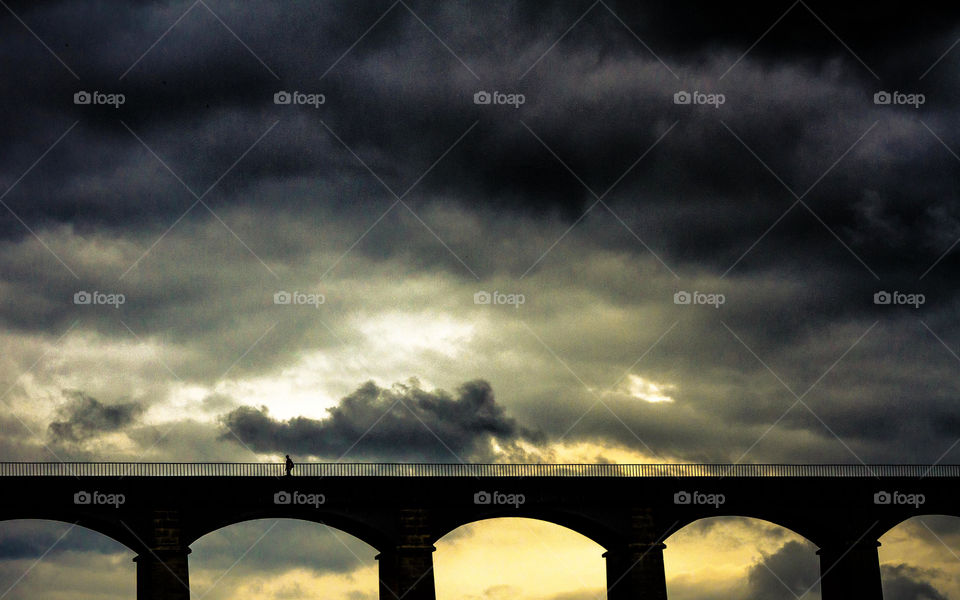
{"points": [[288, 465]]}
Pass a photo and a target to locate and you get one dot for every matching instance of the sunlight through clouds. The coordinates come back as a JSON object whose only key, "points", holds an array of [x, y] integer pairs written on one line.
{"points": [[423, 334], [648, 391]]}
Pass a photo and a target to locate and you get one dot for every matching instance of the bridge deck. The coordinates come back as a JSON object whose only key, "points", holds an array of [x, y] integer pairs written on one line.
{"points": [[201, 469]]}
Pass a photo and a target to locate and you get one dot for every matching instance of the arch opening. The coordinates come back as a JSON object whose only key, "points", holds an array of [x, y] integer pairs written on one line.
{"points": [[740, 557], [42, 558], [282, 558], [518, 557], [918, 558]]}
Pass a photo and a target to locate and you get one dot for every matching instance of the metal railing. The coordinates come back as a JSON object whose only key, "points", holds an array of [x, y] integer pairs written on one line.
{"points": [[155, 469]]}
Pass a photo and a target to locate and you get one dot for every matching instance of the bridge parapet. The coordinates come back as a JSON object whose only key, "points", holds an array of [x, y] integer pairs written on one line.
{"points": [[266, 469]]}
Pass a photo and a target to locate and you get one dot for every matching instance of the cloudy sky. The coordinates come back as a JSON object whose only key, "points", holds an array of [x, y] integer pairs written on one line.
{"points": [[486, 231]]}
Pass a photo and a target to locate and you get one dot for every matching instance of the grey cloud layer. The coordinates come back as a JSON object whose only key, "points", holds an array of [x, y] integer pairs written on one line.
{"points": [[905, 582], [86, 417], [793, 568], [598, 99]]}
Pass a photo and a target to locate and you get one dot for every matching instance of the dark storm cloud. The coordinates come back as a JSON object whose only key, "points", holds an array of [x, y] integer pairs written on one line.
{"points": [[399, 99], [905, 582], [401, 423], [85, 417], [880, 35], [793, 568], [941, 526], [599, 99]]}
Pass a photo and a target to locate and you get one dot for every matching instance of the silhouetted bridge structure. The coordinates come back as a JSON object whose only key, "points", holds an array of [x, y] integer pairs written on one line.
{"points": [[159, 509]]}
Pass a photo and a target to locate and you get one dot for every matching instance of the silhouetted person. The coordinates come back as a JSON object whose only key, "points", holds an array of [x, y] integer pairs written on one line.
{"points": [[288, 465]]}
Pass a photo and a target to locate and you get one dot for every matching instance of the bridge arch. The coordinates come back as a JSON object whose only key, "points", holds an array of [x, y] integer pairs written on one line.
{"points": [[30, 551], [891, 524], [918, 555], [104, 526], [367, 532], [740, 556], [257, 556], [593, 529], [805, 530], [522, 555]]}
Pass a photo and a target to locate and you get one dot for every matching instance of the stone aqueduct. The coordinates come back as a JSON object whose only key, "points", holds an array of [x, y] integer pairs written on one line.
{"points": [[159, 509]]}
